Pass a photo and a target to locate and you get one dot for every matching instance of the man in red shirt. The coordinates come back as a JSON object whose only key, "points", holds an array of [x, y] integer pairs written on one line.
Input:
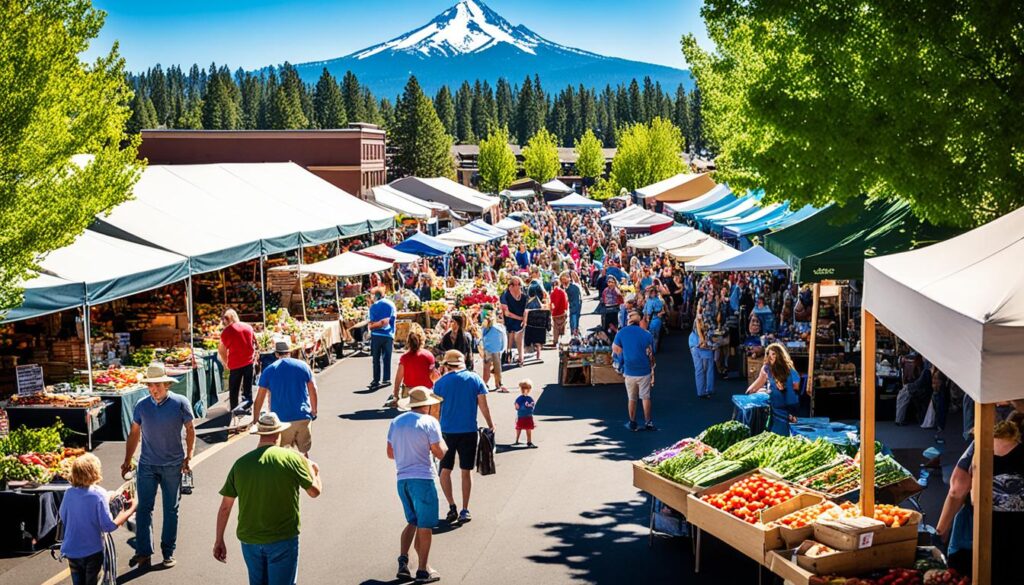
{"points": [[559, 307], [237, 348]]}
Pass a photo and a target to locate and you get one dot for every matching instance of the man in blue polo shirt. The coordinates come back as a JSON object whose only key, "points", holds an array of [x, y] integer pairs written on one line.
{"points": [[382, 337], [636, 346], [291, 387], [158, 421]]}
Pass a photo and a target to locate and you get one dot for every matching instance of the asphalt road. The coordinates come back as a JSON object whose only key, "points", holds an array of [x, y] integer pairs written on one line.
{"points": [[564, 512]]}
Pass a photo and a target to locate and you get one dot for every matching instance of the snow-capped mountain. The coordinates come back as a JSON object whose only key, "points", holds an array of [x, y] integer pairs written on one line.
{"points": [[470, 41]]}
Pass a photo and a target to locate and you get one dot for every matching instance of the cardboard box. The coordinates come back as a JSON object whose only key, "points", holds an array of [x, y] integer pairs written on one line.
{"points": [[605, 375], [755, 541], [879, 556], [672, 494], [851, 540]]}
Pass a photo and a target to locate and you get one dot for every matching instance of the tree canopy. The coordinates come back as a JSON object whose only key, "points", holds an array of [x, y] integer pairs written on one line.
{"points": [[921, 101], [54, 108], [589, 156], [540, 157], [423, 146], [647, 153], [497, 162]]}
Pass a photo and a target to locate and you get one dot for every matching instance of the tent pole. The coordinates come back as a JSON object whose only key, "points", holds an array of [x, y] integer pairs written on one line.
{"points": [[263, 291], [811, 347], [191, 336], [302, 289], [87, 329], [867, 414], [981, 489]]}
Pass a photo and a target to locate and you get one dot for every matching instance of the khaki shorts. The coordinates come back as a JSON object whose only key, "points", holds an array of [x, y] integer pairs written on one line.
{"points": [[558, 323], [638, 387], [298, 434], [493, 361]]}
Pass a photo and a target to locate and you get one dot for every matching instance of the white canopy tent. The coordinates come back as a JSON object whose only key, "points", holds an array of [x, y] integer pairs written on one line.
{"points": [[713, 196], [385, 252], [679, 241], [406, 204], [459, 237], [508, 224], [343, 265], [643, 218], [654, 240], [624, 212], [556, 186], [486, 229], [960, 303], [702, 249], [756, 258], [575, 201]]}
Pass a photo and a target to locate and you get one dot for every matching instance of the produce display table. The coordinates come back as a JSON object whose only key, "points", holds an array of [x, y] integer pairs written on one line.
{"points": [[85, 421], [751, 410], [119, 413], [30, 516]]}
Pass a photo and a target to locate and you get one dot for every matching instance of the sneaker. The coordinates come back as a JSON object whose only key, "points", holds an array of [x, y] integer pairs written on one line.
{"points": [[453, 515], [650, 426], [143, 562], [464, 517], [403, 568], [385, 383], [373, 385], [169, 562], [428, 576], [631, 425], [531, 446]]}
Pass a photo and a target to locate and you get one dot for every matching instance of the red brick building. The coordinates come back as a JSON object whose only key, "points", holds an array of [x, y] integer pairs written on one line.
{"points": [[350, 158]]}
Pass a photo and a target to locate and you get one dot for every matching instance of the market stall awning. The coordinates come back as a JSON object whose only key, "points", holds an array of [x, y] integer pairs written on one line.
{"points": [[575, 201], [508, 224], [680, 187], [960, 303], [556, 186], [766, 213], [385, 252], [343, 265], [443, 190], [486, 229], [45, 294], [710, 198], [654, 240], [622, 212], [833, 243], [630, 213], [701, 249], [756, 258], [518, 194], [746, 206], [726, 204], [421, 244], [406, 204], [767, 223], [680, 240], [463, 236], [648, 220]]}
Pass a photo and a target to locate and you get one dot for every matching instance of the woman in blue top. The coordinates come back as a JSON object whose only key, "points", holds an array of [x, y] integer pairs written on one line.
{"points": [[782, 382]]}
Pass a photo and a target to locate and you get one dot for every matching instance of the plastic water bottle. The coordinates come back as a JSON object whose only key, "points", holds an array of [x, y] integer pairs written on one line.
{"points": [[186, 483]]}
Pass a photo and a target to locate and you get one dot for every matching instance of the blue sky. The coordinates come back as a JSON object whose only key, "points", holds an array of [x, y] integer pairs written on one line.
{"points": [[254, 33]]}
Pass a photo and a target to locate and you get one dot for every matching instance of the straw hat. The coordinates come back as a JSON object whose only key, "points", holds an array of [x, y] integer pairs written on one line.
{"points": [[156, 373], [419, 396], [269, 424], [454, 358]]}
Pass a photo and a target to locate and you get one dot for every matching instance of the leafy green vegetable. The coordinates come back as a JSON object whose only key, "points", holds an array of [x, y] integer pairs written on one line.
{"points": [[724, 435], [26, 440]]}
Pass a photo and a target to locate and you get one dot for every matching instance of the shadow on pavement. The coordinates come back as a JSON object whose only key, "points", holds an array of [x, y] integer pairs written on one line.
{"points": [[370, 414]]}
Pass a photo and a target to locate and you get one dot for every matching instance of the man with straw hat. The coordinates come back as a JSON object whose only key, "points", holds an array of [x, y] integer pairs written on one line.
{"points": [[463, 393], [157, 422], [293, 397], [266, 481], [412, 438]]}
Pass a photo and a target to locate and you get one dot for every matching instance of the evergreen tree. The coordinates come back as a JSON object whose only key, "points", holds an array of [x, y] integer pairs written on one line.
{"points": [[651, 99], [587, 110], [286, 104], [609, 122], [681, 112], [387, 115], [423, 148], [158, 92], [504, 108], [589, 157], [143, 114], [480, 110], [445, 107], [696, 122], [355, 105], [497, 162], [370, 105], [328, 106], [464, 114], [540, 157], [637, 111], [267, 100], [220, 112]]}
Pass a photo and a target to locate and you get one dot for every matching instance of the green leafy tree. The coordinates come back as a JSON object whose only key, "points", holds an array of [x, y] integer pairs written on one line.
{"points": [[55, 107], [647, 153], [423, 147], [589, 156], [919, 101], [540, 156], [497, 162]]}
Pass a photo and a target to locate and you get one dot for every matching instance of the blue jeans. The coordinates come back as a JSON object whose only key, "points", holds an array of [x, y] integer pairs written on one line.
{"points": [[574, 320], [704, 370], [276, 563], [168, 477], [655, 328], [380, 353]]}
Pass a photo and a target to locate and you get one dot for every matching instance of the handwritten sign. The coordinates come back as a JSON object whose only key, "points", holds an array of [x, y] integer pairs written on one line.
{"points": [[30, 379]]}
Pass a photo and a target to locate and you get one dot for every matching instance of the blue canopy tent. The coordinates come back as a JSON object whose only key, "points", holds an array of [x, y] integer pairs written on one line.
{"points": [[767, 213], [725, 204], [423, 245], [575, 201], [742, 232]]}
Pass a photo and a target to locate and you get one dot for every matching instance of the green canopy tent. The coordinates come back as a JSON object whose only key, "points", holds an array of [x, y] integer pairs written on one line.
{"points": [[832, 244]]}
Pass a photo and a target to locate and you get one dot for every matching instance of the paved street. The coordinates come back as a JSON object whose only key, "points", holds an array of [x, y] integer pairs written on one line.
{"points": [[565, 512]]}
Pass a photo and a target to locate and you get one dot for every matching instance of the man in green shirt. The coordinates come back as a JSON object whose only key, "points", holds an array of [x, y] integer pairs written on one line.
{"points": [[267, 481]]}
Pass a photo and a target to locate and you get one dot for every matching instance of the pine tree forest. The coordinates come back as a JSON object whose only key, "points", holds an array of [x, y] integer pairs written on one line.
{"points": [[217, 99]]}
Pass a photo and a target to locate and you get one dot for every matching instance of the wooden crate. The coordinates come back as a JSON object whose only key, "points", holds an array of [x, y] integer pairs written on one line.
{"points": [[670, 493], [402, 330], [879, 556], [605, 375], [574, 374]]}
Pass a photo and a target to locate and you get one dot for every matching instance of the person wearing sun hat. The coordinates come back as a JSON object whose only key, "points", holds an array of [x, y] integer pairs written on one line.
{"points": [[412, 438], [464, 393], [266, 481], [157, 422], [291, 387]]}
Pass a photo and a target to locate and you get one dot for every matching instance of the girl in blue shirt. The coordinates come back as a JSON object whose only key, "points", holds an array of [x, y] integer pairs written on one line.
{"points": [[782, 382]]}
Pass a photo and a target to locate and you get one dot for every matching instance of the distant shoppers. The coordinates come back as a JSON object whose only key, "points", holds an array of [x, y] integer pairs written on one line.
{"points": [[266, 481], [575, 295], [382, 338], [85, 515], [513, 306], [291, 388], [703, 354], [493, 342], [636, 346], [458, 338], [782, 382], [559, 307], [416, 366], [237, 351], [524, 412], [157, 422], [412, 438], [463, 393]]}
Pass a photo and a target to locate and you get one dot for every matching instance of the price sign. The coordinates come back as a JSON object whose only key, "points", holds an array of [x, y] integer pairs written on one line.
{"points": [[30, 379], [866, 540]]}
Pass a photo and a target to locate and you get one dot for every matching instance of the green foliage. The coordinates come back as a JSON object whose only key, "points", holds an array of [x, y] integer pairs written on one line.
{"points": [[220, 112], [497, 162], [285, 111], [920, 101], [192, 117], [540, 157], [143, 113], [423, 146], [647, 153], [445, 109], [351, 92], [328, 103], [54, 107], [589, 156]]}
